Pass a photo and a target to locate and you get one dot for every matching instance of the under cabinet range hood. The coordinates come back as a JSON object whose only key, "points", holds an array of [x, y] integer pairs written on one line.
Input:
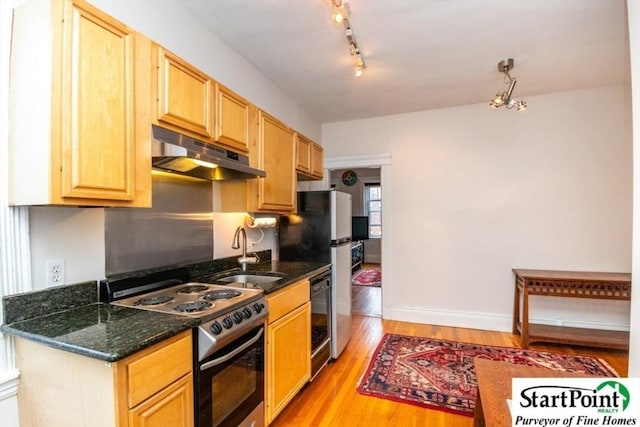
{"points": [[177, 153]]}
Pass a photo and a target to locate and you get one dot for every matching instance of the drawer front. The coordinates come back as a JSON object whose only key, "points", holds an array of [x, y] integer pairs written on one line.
{"points": [[287, 299], [157, 369]]}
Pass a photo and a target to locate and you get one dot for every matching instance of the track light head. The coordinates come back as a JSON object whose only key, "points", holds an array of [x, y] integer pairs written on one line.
{"points": [[340, 11], [497, 101], [521, 106]]}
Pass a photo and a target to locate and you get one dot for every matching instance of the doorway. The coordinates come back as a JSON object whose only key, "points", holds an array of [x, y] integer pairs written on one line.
{"points": [[364, 185]]}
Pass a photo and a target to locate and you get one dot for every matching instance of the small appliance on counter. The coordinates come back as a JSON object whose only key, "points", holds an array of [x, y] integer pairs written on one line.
{"points": [[321, 231]]}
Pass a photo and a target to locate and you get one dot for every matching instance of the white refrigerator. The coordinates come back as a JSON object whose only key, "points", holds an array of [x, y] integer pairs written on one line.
{"points": [[321, 231]]}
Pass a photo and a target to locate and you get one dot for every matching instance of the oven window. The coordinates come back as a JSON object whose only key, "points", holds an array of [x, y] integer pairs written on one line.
{"points": [[230, 391], [233, 385]]}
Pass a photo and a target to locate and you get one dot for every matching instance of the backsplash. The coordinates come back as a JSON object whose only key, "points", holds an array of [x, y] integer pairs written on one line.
{"points": [[20, 307], [25, 306], [178, 229]]}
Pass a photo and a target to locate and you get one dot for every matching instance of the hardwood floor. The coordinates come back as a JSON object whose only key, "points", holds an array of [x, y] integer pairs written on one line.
{"points": [[367, 300], [332, 398]]}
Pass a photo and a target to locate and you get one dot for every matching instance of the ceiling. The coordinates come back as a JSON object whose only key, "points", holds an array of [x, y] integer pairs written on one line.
{"points": [[423, 54]]}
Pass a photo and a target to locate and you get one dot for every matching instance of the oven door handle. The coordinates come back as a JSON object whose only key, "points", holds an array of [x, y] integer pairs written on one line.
{"points": [[227, 357]]}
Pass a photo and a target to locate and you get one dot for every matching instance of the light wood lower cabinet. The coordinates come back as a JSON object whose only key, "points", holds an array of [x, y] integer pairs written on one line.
{"points": [[288, 358], [153, 387], [167, 408]]}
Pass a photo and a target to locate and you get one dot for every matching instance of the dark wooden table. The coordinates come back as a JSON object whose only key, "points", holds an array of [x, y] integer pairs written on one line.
{"points": [[494, 388], [570, 284]]}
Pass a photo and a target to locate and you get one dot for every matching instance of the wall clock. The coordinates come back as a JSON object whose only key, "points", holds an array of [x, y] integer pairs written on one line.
{"points": [[349, 178]]}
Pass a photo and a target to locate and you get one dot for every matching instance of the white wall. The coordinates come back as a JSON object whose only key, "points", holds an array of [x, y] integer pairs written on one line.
{"points": [[74, 235], [476, 192], [224, 227]]}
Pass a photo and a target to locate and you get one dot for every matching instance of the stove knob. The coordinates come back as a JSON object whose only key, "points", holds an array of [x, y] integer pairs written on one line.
{"points": [[246, 313], [258, 307], [227, 323], [216, 328], [237, 317]]}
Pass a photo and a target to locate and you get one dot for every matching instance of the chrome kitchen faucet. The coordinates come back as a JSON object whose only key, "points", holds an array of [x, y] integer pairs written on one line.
{"points": [[244, 259]]}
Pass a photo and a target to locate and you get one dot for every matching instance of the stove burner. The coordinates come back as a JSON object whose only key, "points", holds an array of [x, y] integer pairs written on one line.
{"points": [[192, 307], [193, 289], [155, 300], [221, 294]]}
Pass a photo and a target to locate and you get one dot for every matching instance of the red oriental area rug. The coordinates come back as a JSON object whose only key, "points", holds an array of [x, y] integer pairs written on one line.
{"points": [[439, 374], [367, 278]]}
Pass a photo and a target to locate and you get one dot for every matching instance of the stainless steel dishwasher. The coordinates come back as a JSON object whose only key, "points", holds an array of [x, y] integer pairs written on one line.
{"points": [[320, 321]]}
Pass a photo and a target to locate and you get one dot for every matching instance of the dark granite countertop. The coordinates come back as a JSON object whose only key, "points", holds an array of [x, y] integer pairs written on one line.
{"points": [[102, 331], [70, 318], [291, 271]]}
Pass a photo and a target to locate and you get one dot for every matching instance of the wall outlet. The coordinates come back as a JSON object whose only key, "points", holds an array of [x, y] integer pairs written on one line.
{"points": [[55, 272]]}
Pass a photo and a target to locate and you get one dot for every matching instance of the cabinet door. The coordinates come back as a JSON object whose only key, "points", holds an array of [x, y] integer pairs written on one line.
{"points": [[232, 120], [317, 161], [303, 151], [173, 407], [184, 95], [276, 192], [288, 358], [97, 155]]}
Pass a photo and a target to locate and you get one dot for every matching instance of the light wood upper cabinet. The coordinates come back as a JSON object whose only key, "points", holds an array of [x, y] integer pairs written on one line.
{"points": [[310, 159], [277, 190], [288, 357], [153, 387], [232, 123], [317, 161], [303, 155], [79, 134], [184, 95], [273, 150]]}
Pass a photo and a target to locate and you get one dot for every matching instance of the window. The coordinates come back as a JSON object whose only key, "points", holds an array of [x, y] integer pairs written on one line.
{"points": [[373, 206]]}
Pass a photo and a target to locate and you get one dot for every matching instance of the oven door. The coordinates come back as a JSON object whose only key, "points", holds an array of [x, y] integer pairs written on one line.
{"points": [[230, 383]]}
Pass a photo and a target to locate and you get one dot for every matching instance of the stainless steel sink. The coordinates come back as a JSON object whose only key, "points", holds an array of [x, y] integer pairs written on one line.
{"points": [[249, 278]]}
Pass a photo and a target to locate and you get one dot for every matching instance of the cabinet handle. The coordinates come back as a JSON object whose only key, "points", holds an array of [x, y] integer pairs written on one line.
{"points": [[226, 357]]}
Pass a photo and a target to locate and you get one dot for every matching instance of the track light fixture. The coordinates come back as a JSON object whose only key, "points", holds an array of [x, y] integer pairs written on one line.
{"points": [[341, 11], [504, 98]]}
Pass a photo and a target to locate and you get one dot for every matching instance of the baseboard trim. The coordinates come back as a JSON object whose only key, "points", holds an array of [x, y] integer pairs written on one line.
{"points": [[484, 321], [373, 259]]}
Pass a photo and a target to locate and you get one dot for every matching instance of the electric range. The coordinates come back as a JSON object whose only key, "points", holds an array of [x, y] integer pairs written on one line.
{"points": [[225, 312]]}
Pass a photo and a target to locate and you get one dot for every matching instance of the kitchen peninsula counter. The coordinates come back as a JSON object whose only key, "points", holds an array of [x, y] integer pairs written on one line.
{"points": [[70, 317], [101, 331]]}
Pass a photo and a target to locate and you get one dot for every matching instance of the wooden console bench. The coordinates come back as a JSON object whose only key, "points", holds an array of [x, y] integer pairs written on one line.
{"points": [[571, 284]]}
